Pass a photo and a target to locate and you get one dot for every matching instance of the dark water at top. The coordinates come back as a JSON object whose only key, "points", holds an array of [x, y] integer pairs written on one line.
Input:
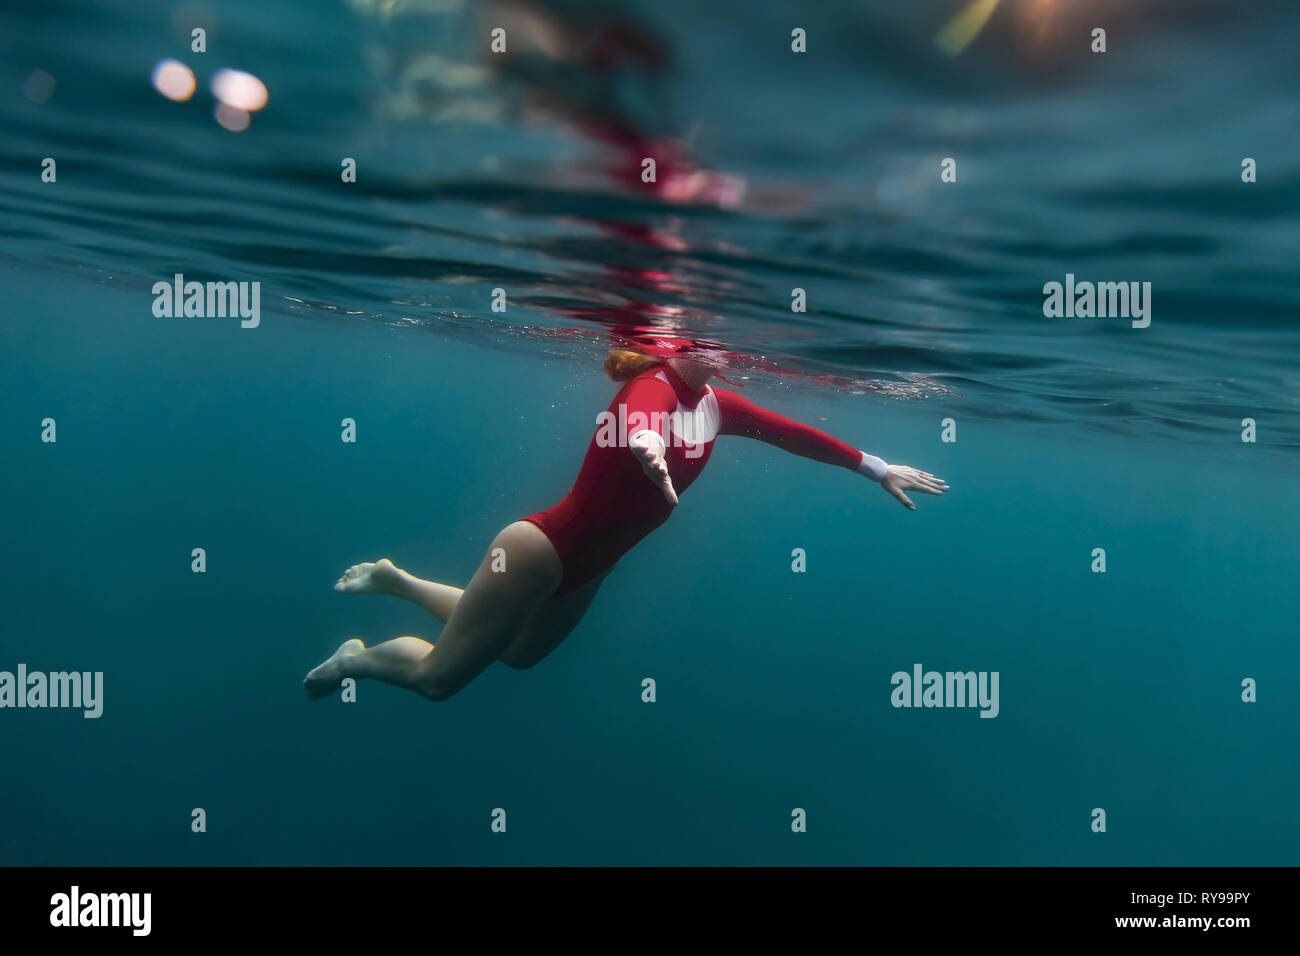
{"points": [[476, 173]]}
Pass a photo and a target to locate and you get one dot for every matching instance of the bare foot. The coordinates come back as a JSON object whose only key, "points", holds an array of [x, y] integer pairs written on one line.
{"points": [[372, 577], [324, 679]]}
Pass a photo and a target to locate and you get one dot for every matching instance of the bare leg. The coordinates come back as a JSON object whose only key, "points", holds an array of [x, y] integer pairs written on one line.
{"points": [[486, 618], [550, 625], [384, 577], [394, 661]]}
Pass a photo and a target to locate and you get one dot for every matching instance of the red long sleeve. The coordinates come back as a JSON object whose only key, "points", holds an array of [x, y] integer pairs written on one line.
{"points": [[743, 417], [645, 402]]}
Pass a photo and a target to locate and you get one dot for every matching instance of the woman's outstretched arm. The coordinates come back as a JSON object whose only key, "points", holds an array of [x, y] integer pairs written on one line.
{"points": [[742, 417]]}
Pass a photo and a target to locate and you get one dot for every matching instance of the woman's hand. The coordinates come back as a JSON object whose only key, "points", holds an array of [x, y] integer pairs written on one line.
{"points": [[902, 478], [648, 447]]}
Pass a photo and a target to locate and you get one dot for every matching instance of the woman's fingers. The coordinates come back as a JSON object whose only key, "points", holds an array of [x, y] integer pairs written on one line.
{"points": [[904, 477], [657, 469], [925, 482], [665, 481], [649, 450], [669, 491], [897, 492]]}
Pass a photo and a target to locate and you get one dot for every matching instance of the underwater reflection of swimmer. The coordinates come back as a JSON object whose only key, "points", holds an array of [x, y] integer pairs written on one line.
{"points": [[540, 574], [602, 74]]}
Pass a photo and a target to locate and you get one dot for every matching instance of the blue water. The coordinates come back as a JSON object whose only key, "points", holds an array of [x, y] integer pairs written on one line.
{"points": [[1119, 690]]}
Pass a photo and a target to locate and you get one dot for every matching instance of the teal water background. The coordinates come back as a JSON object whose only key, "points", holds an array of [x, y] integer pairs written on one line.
{"points": [[1119, 691]]}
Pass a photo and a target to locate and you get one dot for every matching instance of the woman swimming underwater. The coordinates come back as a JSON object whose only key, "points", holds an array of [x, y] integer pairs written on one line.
{"points": [[540, 574]]}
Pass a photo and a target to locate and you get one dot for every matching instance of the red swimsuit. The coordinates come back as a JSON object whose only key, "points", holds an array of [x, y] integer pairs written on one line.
{"points": [[613, 505]]}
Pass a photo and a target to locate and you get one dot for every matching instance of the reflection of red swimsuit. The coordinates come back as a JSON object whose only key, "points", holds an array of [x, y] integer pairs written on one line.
{"points": [[613, 505]]}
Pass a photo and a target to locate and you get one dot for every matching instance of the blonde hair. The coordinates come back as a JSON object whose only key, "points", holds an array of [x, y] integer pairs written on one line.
{"points": [[623, 364]]}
